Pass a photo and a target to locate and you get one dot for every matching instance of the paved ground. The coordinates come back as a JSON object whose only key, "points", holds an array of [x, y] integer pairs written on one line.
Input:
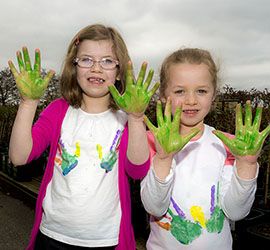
{"points": [[16, 219]]}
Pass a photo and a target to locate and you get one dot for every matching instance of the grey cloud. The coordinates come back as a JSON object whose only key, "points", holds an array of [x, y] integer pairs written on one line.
{"points": [[236, 32]]}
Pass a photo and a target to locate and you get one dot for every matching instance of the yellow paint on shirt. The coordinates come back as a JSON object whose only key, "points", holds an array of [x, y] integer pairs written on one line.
{"points": [[99, 149], [198, 215], [78, 149]]}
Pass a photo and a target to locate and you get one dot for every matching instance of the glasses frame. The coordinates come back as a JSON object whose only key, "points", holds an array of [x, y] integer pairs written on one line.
{"points": [[77, 59]]}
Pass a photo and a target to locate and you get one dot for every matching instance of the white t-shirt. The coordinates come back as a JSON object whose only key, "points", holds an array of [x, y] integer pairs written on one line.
{"points": [[82, 205], [197, 199]]}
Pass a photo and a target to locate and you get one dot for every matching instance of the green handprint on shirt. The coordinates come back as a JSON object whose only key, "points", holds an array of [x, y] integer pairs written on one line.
{"points": [[29, 81], [248, 140], [215, 223], [108, 161], [136, 96], [185, 230], [67, 160], [167, 132]]}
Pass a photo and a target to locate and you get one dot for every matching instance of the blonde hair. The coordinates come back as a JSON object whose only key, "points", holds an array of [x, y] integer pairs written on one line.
{"points": [[70, 88], [188, 55]]}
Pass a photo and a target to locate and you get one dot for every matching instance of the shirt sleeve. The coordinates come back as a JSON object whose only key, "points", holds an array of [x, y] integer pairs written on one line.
{"points": [[237, 195], [155, 193], [137, 171], [43, 129]]}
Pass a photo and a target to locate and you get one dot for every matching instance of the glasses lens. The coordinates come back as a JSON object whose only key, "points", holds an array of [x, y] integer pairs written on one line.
{"points": [[88, 62], [85, 62], [108, 63]]}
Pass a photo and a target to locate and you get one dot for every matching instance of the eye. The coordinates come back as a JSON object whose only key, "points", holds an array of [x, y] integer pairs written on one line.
{"points": [[179, 92], [202, 91], [86, 60], [107, 61]]}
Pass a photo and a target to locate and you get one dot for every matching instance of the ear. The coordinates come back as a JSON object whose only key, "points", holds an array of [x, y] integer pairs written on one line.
{"points": [[163, 99], [118, 77]]}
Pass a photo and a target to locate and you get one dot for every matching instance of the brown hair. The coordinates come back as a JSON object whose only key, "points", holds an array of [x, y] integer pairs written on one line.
{"points": [[188, 55], [70, 88]]}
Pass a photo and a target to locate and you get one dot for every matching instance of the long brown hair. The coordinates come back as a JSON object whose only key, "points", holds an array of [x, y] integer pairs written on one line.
{"points": [[70, 88]]}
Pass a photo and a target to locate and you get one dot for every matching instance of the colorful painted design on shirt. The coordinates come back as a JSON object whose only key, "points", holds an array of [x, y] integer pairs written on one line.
{"points": [[66, 160], [115, 140], [99, 150], [198, 215], [184, 230], [108, 161], [215, 223]]}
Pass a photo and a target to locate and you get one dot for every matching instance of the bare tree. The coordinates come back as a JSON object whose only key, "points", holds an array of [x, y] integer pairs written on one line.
{"points": [[9, 94], [52, 92]]}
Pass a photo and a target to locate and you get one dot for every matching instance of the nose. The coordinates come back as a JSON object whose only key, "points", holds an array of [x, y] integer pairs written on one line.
{"points": [[190, 99], [96, 67]]}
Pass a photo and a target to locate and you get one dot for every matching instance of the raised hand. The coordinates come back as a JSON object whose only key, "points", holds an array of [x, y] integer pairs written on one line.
{"points": [[167, 132], [248, 141], [29, 81], [136, 96]]}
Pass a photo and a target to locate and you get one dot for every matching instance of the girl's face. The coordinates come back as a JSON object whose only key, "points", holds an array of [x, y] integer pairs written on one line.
{"points": [[190, 85], [94, 81]]}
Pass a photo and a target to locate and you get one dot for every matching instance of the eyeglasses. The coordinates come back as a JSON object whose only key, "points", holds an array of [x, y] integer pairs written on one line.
{"points": [[88, 62]]}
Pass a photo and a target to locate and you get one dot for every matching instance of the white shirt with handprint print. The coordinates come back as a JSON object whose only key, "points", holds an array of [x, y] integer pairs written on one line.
{"points": [[82, 206], [193, 206]]}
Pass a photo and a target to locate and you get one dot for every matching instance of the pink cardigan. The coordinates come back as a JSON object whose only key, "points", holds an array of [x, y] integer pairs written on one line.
{"points": [[46, 132]]}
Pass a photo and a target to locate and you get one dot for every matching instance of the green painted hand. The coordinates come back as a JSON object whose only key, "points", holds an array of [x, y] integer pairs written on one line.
{"points": [[167, 132], [136, 96], [248, 140], [29, 81]]}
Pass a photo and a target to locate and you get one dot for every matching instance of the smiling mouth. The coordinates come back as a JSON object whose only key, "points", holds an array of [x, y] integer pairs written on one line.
{"points": [[190, 111], [96, 80]]}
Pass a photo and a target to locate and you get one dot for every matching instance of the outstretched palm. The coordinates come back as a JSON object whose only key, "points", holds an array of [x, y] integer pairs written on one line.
{"points": [[248, 140], [29, 81], [136, 96], [167, 132]]}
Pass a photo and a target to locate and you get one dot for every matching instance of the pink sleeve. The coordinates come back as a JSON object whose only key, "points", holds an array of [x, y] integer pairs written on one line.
{"points": [[151, 142], [45, 127], [137, 171], [230, 157]]}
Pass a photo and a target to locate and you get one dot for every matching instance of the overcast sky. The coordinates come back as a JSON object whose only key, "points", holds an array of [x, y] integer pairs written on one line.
{"points": [[236, 32]]}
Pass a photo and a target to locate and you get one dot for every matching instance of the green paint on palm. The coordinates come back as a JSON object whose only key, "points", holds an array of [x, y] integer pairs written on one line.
{"points": [[167, 132], [248, 140], [136, 96], [29, 81]]}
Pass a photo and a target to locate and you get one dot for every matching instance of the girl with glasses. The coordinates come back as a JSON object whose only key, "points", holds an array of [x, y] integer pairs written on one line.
{"points": [[84, 199]]}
